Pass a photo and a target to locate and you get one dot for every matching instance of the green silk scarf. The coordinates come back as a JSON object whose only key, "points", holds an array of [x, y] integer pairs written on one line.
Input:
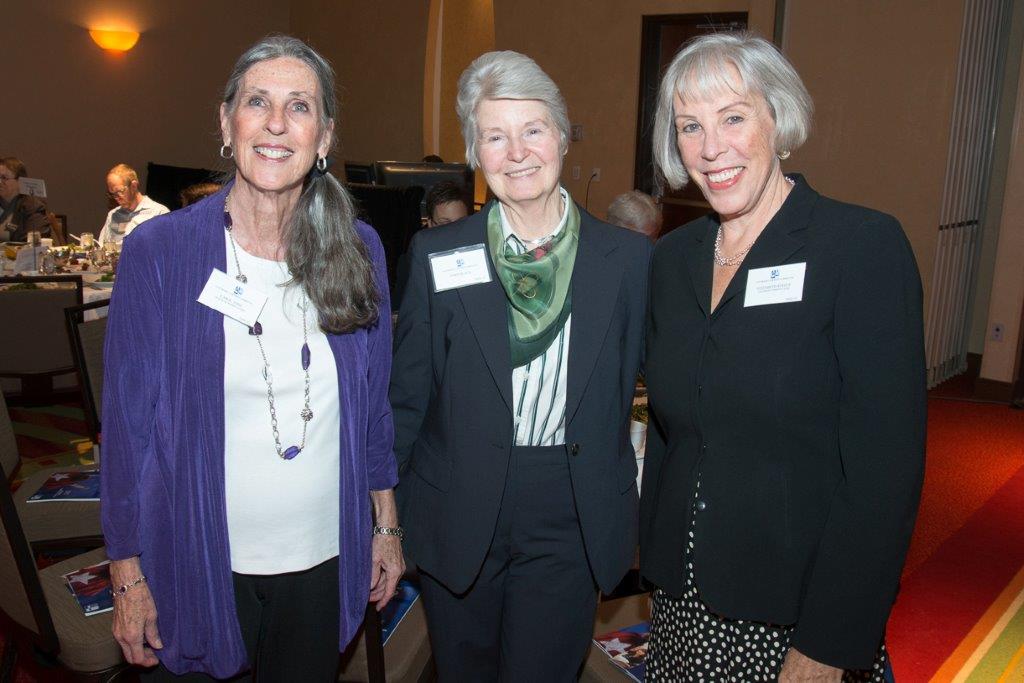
{"points": [[536, 284]]}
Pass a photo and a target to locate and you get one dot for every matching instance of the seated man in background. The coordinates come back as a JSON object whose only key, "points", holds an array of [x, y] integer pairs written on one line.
{"points": [[636, 211], [446, 203], [132, 208], [20, 214], [193, 193]]}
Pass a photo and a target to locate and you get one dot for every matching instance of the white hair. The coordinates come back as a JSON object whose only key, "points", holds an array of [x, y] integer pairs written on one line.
{"points": [[507, 75], [704, 67], [635, 211]]}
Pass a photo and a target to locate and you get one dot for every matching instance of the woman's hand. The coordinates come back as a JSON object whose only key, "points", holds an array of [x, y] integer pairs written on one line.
{"points": [[387, 564], [135, 627], [799, 667], [388, 567]]}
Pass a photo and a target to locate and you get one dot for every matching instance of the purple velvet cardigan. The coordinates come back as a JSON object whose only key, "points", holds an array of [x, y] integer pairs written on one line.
{"points": [[163, 437]]}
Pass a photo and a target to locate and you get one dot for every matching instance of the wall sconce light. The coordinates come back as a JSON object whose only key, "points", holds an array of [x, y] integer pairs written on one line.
{"points": [[118, 41]]}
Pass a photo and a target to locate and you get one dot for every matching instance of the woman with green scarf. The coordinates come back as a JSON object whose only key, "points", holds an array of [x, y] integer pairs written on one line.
{"points": [[517, 349]]}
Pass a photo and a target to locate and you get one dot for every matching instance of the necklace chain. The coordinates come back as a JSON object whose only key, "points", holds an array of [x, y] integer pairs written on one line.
{"points": [[729, 261], [257, 331]]}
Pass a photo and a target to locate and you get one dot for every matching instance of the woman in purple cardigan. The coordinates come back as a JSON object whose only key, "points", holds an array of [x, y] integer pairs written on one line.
{"points": [[247, 432]]}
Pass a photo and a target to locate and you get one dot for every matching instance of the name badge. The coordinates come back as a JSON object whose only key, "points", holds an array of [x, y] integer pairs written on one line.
{"points": [[775, 285], [459, 267], [235, 299]]}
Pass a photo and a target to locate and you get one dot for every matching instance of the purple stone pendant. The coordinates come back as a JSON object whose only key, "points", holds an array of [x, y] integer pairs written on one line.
{"points": [[305, 356], [256, 330], [291, 452]]}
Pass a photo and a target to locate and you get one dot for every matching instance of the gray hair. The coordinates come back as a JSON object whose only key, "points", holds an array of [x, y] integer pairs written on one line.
{"points": [[635, 211], [325, 255], [703, 67], [507, 75]]}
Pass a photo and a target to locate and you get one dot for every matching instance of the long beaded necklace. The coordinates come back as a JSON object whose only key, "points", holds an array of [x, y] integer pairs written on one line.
{"points": [[257, 331]]}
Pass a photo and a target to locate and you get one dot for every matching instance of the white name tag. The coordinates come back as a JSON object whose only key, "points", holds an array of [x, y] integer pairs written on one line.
{"points": [[459, 267], [775, 285], [235, 299]]}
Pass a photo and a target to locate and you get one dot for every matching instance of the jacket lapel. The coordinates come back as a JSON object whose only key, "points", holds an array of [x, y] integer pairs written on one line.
{"points": [[485, 307], [700, 264], [785, 234], [595, 286]]}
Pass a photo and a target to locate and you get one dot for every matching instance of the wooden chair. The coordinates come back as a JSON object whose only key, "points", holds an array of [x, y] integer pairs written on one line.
{"points": [[45, 523], [58, 228], [87, 338], [33, 334], [42, 609]]}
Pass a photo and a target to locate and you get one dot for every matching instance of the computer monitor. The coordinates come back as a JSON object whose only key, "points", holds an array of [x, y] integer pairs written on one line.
{"points": [[359, 172], [423, 174]]}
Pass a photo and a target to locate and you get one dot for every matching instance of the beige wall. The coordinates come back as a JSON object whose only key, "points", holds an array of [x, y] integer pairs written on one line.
{"points": [[882, 75], [71, 111], [591, 48], [377, 49], [999, 359]]}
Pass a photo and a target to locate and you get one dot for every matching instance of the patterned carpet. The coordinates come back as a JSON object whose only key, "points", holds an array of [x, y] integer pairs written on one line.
{"points": [[46, 436]]}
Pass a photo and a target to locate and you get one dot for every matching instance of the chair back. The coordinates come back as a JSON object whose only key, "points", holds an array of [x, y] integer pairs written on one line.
{"points": [[394, 212], [22, 598], [87, 338], [9, 458], [33, 332], [58, 228]]}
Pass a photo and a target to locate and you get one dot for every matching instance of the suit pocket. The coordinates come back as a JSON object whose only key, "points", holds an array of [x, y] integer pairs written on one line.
{"points": [[431, 468]]}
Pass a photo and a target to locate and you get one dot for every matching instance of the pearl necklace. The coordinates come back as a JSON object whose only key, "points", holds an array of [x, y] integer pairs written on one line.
{"points": [[257, 331], [737, 258]]}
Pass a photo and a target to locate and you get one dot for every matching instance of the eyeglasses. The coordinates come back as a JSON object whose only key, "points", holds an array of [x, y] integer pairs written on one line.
{"points": [[117, 193], [5, 178]]}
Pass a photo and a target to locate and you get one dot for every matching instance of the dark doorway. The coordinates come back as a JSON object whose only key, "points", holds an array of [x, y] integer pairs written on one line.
{"points": [[662, 35]]}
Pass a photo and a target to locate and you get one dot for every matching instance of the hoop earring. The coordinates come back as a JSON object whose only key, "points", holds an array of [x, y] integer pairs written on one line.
{"points": [[321, 164], [226, 152], [784, 154]]}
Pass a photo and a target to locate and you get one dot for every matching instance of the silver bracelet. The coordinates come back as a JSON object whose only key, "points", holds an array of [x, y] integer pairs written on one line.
{"points": [[389, 531], [121, 590]]}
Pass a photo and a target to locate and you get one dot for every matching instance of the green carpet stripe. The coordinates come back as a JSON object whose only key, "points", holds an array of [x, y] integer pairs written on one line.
{"points": [[44, 433], [63, 411], [995, 661]]}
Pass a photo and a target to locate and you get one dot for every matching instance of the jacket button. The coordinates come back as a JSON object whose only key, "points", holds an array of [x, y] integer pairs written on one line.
{"points": [[704, 448], [701, 506], [700, 388], [574, 449]]}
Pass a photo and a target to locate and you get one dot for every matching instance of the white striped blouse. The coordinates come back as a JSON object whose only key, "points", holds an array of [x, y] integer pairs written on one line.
{"points": [[538, 388]]}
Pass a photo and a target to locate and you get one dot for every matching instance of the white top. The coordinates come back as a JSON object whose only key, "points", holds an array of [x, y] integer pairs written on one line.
{"points": [[120, 222], [538, 388], [282, 514]]}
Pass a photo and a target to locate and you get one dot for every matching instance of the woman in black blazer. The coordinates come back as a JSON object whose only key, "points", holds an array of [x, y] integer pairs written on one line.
{"points": [[786, 377]]}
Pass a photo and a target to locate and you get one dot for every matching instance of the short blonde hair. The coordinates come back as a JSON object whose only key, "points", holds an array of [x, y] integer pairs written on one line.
{"points": [[704, 67], [507, 75], [125, 172]]}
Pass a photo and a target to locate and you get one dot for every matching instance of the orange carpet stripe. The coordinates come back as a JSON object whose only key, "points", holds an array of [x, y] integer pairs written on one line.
{"points": [[1008, 674], [982, 628]]}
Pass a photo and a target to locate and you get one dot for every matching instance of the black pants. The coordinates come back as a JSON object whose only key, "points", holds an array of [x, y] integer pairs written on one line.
{"points": [[289, 626], [529, 615]]}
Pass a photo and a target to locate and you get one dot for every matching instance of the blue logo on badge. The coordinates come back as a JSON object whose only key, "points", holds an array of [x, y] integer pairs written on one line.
{"points": [[459, 262], [774, 273], [238, 291]]}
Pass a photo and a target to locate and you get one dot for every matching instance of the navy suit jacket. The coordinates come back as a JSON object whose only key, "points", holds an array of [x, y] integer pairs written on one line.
{"points": [[451, 393]]}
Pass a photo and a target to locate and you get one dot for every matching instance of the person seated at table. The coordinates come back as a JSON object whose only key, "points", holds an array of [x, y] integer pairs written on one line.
{"points": [[193, 193], [20, 214], [636, 211], [132, 208], [446, 203]]}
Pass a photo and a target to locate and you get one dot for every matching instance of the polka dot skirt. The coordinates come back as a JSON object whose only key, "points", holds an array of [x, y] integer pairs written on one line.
{"points": [[691, 643]]}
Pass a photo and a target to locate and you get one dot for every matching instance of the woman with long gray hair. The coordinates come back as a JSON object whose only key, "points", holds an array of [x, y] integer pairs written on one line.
{"points": [[247, 432]]}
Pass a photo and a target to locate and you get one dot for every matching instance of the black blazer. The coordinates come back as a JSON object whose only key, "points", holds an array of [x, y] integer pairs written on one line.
{"points": [[451, 392], [805, 422]]}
